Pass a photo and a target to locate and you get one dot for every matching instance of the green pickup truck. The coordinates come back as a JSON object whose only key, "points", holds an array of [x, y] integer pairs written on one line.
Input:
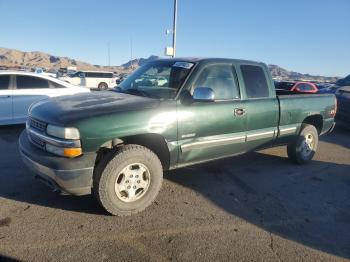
{"points": [[168, 114]]}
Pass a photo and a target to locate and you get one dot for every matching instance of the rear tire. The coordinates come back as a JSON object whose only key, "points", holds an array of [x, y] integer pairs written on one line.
{"points": [[303, 149], [127, 180], [102, 86]]}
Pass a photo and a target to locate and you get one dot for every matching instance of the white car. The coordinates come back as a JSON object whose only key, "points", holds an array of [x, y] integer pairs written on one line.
{"points": [[92, 79], [18, 90]]}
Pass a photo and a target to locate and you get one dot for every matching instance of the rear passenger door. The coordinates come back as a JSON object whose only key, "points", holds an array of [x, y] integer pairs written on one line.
{"points": [[29, 89], [5, 99], [262, 107]]}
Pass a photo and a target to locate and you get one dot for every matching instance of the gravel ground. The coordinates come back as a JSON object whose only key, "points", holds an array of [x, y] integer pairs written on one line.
{"points": [[256, 207]]}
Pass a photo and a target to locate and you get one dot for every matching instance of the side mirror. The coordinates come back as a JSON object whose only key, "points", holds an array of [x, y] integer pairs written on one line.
{"points": [[203, 94]]}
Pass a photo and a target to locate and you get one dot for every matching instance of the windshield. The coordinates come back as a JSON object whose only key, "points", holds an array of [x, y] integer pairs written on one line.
{"points": [[157, 80]]}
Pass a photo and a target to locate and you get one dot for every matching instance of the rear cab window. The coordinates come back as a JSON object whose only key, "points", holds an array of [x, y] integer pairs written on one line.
{"points": [[255, 82]]}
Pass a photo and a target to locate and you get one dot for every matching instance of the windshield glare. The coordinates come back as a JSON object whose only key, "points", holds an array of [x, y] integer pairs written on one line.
{"points": [[157, 80]]}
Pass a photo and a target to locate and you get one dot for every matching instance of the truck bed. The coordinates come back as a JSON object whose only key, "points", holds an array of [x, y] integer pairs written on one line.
{"points": [[296, 107]]}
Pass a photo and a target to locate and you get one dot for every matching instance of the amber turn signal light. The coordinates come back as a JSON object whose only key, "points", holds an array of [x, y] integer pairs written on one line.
{"points": [[72, 152]]}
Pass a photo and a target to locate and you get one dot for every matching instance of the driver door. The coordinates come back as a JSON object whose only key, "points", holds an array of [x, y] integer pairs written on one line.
{"points": [[210, 130]]}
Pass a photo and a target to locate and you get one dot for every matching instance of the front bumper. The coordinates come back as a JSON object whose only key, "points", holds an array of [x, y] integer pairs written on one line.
{"points": [[72, 176]]}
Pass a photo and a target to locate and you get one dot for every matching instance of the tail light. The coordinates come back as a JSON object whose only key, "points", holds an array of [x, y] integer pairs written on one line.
{"points": [[333, 112]]}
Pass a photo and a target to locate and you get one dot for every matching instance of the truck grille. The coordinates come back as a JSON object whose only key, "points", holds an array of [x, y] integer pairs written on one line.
{"points": [[36, 124], [37, 141]]}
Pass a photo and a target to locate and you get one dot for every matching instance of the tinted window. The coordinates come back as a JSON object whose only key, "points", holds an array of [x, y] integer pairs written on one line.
{"points": [[99, 75], [254, 81], [4, 82], [221, 79], [27, 82], [78, 74], [305, 87]]}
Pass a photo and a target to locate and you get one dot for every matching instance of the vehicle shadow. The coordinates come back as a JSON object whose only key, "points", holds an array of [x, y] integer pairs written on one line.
{"points": [[305, 204], [340, 136]]}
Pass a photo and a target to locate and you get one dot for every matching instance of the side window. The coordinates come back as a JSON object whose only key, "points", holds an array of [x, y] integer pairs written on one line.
{"points": [[221, 79], [254, 81], [82, 74], [31, 82], [4, 82], [56, 85], [108, 75], [305, 87]]}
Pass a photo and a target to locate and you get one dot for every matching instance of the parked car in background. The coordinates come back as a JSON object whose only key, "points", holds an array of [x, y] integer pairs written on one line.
{"points": [[343, 113], [327, 89], [344, 81], [305, 87], [122, 77], [284, 85], [116, 144], [92, 79], [18, 90], [40, 70]]}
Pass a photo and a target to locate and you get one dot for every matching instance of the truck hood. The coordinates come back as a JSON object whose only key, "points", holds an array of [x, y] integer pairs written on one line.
{"points": [[65, 110]]}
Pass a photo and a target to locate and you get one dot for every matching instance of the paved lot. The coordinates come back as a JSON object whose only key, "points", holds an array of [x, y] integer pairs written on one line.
{"points": [[253, 208]]}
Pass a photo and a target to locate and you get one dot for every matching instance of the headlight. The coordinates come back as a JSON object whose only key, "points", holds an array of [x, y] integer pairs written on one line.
{"points": [[63, 132]]}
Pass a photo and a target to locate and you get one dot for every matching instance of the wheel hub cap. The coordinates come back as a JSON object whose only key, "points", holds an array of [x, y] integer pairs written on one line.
{"points": [[132, 182], [307, 144]]}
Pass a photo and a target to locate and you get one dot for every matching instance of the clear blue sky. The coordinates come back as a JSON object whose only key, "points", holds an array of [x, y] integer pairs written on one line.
{"points": [[308, 36]]}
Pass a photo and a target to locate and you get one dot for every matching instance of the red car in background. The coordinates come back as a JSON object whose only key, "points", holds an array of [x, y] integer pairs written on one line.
{"points": [[304, 87]]}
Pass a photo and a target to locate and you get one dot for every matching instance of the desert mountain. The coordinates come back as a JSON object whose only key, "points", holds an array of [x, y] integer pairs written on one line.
{"points": [[16, 58]]}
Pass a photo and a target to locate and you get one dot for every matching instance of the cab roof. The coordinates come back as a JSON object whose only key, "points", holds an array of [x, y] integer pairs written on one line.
{"points": [[206, 60]]}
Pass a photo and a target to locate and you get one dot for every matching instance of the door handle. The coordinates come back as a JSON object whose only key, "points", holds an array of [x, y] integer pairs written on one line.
{"points": [[5, 96], [239, 111]]}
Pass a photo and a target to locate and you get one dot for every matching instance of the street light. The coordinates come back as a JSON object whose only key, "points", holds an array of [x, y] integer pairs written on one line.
{"points": [[171, 51], [174, 27]]}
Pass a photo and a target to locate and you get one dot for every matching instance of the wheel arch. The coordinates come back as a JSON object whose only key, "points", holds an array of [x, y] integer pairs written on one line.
{"points": [[316, 121], [154, 142]]}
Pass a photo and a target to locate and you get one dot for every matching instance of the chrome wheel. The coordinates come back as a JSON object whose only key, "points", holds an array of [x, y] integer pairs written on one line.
{"points": [[132, 182], [307, 145]]}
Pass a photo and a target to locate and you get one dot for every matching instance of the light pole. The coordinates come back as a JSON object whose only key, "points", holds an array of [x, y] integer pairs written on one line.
{"points": [[171, 51], [174, 28], [109, 53]]}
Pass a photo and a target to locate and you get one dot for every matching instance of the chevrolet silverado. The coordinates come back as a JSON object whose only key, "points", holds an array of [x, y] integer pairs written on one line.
{"points": [[116, 144]]}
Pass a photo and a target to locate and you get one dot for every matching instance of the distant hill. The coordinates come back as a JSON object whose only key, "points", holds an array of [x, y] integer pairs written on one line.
{"points": [[139, 62], [278, 72], [16, 58]]}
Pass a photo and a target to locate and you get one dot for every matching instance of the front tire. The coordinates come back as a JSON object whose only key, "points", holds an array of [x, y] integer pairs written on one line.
{"points": [[128, 180], [303, 149]]}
